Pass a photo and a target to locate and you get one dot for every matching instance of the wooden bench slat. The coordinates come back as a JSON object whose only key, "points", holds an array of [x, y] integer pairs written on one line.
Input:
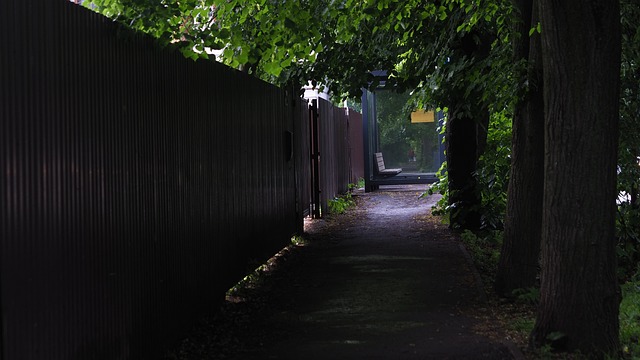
{"points": [[382, 170]]}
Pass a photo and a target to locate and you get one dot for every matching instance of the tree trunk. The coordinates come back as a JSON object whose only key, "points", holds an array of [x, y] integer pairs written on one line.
{"points": [[466, 136], [518, 266], [580, 297], [462, 162]]}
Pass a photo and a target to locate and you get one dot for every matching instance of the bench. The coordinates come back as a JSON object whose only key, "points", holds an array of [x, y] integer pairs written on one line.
{"points": [[382, 170]]}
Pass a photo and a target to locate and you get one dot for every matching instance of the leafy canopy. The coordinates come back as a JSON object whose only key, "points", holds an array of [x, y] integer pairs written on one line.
{"points": [[426, 47], [337, 42]]}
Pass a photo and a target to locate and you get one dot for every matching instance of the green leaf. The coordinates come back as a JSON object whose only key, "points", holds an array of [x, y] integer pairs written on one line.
{"points": [[272, 68], [224, 33], [243, 57], [537, 28], [290, 24]]}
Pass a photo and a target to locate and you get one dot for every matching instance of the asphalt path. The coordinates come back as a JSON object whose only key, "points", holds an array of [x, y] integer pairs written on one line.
{"points": [[384, 281]]}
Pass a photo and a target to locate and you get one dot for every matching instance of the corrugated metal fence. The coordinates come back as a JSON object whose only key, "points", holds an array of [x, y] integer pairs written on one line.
{"points": [[302, 141], [334, 162], [136, 185], [356, 145]]}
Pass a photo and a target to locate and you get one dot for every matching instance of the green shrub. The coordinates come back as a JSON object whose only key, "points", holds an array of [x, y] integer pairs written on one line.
{"points": [[492, 176], [340, 204], [358, 185], [527, 296], [630, 319], [493, 171], [484, 248], [628, 234], [441, 208]]}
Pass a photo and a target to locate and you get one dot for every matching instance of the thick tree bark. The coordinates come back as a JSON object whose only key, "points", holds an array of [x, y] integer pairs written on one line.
{"points": [[579, 292], [466, 136], [518, 266], [462, 162]]}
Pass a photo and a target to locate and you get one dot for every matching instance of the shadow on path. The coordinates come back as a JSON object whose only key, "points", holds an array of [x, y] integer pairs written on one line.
{"points": [[384, 281]]}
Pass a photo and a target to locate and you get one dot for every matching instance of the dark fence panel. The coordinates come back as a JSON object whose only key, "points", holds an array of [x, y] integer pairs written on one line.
{"points": [[334, 152], [356, 145], [135, 185], [302, 146]]}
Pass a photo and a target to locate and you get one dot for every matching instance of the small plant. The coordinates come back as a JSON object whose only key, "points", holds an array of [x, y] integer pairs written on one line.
{"points": [[298, 240], [485, 251], [340, 204], [358, 185], [440, 187], [527, 296], [524, 325]]}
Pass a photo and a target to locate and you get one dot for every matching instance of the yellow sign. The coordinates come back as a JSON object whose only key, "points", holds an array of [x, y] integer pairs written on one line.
{"points": [[422, 116]]}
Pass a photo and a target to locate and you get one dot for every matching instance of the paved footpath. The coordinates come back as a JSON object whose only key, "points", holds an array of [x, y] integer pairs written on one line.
{"points": [[382, 282]]}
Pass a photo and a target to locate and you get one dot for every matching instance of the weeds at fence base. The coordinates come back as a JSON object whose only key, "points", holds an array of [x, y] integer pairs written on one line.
{"points": [[257, 277], [340, 204]]}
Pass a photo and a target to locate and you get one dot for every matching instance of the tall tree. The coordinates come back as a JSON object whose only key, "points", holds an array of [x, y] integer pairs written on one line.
{"points": [[580, 297], [519, 258], [466, 133], [629, 152], [461, 81]]}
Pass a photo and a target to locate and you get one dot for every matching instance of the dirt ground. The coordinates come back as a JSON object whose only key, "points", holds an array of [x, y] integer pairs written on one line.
{"points": [[383, 281]]}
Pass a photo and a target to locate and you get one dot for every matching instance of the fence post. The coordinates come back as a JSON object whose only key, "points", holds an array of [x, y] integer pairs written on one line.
{"points": [[315, 158]]}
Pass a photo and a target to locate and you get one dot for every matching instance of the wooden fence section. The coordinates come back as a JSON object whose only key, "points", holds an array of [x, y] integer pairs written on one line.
{"points": [[135, 184]]}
